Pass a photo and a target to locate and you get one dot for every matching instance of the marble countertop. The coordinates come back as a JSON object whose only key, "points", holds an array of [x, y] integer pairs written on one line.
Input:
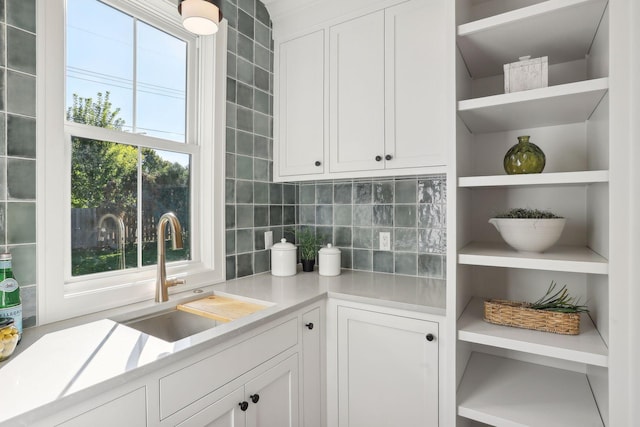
{"points": [[95, 353]]}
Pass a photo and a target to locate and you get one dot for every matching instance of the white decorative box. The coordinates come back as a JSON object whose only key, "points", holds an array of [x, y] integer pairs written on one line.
{"points": [[526, 74]]}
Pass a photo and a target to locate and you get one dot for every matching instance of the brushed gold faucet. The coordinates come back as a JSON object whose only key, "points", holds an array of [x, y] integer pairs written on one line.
{"points": [[162, 283]]}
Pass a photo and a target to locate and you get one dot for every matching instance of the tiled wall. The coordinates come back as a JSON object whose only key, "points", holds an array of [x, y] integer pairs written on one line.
{"points": [[18, 145], [351, 214], [254, 204]]}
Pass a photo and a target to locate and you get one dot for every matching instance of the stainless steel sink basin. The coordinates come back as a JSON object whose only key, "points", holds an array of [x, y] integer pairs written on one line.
{"points": [[172, 325]]}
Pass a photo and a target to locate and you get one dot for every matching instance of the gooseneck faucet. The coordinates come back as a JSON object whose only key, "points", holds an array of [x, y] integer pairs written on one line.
{"points": [[120, 223], [162, 283]]}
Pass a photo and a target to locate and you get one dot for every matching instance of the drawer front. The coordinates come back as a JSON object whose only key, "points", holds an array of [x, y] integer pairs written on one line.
{"points": [[189, 384]]}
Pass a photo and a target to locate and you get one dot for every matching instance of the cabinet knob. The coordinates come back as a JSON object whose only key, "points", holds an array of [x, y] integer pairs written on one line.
{"points": [[318, 163], [309, 325], [254, 398], [243, 406], [388, 157], [378, 158], [430, 337]]}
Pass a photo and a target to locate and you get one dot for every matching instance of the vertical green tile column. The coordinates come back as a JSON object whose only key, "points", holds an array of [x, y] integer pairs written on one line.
{"points": [[18, 145]]}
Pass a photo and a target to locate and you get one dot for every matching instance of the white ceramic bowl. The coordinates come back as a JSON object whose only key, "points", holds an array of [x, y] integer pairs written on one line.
{"points": [[529, 235]]}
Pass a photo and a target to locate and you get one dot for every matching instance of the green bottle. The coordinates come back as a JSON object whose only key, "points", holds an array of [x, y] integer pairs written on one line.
{"points": [[10, 303]]}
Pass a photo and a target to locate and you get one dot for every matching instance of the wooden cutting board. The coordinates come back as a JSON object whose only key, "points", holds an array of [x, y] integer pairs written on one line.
{"points": [[221, 308]]}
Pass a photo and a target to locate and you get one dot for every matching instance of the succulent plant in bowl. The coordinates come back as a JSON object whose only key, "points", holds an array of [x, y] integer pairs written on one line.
{"points": [[529, 230]]}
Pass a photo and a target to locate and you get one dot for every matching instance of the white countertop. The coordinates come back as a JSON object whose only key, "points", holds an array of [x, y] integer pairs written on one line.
{"points": [[94, 353]]}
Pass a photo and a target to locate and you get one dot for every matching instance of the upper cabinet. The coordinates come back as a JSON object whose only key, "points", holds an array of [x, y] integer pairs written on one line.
{"points": [[300, 106], [364, 93]]}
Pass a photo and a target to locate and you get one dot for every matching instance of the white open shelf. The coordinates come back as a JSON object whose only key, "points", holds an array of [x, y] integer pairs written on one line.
{"points": [[545, 29], [577, 259], [506, 392], [548, 106], [554, 178], [587, 347]]}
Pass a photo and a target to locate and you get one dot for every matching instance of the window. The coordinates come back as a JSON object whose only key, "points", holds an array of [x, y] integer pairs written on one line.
{"points": [[133, 128]]}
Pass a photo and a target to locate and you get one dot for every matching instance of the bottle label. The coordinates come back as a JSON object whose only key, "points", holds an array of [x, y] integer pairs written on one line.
{"points": [[4, 264], [15, 313], [8, 285]]}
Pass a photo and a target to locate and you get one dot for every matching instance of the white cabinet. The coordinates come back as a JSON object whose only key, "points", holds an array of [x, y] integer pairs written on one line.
{"points": [[416, 76], [356, 94], [386, 368], [300, 106], [273, 396], [383, 106], [129, 409], [388, 89], [269, 398]]}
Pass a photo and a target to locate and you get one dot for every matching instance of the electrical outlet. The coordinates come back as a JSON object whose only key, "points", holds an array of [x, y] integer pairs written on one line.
{"points": [[268, 239], [385, 241]]}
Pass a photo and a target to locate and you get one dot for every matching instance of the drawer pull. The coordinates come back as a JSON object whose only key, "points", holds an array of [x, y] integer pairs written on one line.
{"points": [[254, 398], [309, 325], [430, 337], [243, 406]]}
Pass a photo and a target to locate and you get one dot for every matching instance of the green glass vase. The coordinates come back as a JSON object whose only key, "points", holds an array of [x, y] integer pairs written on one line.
{"points": [[524, 157]]}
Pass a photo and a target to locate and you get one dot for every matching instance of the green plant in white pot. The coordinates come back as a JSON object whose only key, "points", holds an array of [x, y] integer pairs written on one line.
{"points": [[529, 230]]}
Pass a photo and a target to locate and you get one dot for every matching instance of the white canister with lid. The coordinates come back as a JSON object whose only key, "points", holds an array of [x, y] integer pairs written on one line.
{"points": [[329, 261], [283, 259]]}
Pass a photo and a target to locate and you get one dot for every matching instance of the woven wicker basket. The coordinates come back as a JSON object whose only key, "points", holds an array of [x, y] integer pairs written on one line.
{"points": [[512, 313]]}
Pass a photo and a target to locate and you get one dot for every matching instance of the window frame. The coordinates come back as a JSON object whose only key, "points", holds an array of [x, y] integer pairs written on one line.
{"points": [[62, 296]]}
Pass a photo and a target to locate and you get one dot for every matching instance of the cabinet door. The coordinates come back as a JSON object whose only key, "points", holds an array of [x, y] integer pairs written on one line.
{"points": [[416, 89], [311, 370], [226, 412], [356, 94], [387, 370], [273, 396], [127, 410], [300, 119]]}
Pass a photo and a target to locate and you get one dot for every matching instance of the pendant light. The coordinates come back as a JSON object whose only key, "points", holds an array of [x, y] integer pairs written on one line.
{"points": [[200, 16]]}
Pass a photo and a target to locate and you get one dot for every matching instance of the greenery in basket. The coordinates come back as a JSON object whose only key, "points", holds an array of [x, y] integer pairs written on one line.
{"points": [[527, 213], [308, 242], [559, 301]]}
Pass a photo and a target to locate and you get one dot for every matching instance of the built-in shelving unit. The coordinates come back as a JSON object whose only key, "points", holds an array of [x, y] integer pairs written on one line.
{"points": [[512, 376], [516, 393], [587, 347]]}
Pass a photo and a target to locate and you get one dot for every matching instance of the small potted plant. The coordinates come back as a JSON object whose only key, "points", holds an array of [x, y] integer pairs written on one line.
{"points": [[309, 243], [529, 230]]}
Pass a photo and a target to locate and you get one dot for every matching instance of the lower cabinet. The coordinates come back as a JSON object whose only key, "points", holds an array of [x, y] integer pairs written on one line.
{"points": [[386, 367], [269, 399]]}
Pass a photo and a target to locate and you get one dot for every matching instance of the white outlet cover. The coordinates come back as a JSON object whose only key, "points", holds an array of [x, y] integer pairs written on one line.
{"points": [[385, 241]]}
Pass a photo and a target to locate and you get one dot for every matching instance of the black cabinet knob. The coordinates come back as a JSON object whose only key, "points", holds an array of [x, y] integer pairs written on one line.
{"points": [[388, 157], [254, 398], [378, 158], [309, 325], [430, 337], [243, 406], [318, 163]]}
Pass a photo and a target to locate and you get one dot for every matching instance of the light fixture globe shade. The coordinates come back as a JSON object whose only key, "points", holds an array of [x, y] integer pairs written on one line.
{"points": [[200, 16]]}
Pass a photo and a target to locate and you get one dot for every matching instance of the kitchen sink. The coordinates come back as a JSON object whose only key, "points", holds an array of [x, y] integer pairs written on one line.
{"points": [[172, 325], [192, 317]]}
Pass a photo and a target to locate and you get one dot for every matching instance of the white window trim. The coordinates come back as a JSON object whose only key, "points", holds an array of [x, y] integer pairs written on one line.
{"points": [[58, 296]]}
